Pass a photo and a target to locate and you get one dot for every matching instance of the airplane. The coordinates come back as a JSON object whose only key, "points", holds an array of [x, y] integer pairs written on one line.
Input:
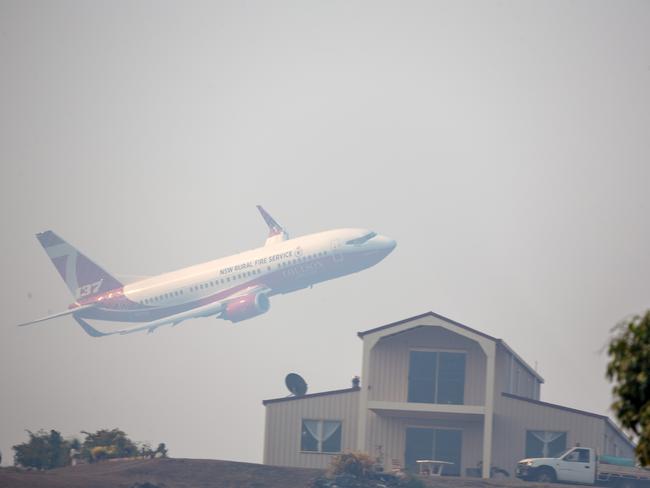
{"points": [[232, 288]]}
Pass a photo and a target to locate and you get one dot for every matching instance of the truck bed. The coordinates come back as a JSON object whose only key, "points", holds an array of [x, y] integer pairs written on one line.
{"points": [[607, 472]]}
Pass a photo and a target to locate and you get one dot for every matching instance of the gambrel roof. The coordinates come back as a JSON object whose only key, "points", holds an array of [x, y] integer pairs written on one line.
{"points": [[455, 324]]}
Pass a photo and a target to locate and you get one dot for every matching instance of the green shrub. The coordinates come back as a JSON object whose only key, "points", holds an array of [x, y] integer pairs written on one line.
{"points": [[358, 464], [43, 451]]}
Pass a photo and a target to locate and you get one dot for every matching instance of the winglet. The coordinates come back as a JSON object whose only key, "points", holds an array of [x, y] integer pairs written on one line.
{"points": [[276, 232]]}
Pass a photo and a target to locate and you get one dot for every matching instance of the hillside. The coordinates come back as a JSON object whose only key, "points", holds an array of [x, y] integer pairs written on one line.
{"points": [[198, 473], [167, 473]]}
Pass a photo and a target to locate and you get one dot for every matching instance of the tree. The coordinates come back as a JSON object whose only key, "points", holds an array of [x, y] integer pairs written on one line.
{"points": [[113, 443], [43, 451], [161, 449], [629, 369], [146, 451]]}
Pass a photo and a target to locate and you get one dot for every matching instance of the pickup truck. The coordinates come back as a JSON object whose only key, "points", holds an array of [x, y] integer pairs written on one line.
{"points": [[582, 465]]}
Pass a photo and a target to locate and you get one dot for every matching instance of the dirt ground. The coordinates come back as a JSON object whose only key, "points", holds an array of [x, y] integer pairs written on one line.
{"points": [[200, 473]]}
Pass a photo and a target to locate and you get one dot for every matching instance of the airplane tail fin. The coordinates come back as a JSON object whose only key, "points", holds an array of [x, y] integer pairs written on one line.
{"points": [[83, 277]]}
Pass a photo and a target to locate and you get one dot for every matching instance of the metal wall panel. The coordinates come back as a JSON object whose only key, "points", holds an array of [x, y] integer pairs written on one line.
{"points": [[390, 433], [284, 424], [514, 377], [616, 444], [514, 417], [389, 363]]}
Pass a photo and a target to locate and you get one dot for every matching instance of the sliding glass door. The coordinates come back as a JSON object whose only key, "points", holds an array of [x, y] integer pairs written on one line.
{"points": [[436, 445]]}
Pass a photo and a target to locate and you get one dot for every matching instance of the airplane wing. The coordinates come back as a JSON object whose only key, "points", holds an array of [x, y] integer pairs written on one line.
{"points": [[203, 311], [60, 314], [276, 232], [207, 310]]}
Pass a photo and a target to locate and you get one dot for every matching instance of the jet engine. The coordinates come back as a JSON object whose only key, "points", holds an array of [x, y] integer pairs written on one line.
{"points": [[246, 307]]}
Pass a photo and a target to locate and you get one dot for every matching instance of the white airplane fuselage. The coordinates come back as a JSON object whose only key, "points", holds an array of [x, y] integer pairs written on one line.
{"points": [[281, 268], [233, 288]]}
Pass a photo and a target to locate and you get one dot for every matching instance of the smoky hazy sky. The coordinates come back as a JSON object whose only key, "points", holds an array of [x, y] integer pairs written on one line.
{"points": [[504, 145]]}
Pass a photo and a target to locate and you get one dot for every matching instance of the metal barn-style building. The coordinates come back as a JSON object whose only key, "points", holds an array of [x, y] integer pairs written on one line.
{"points": [[432, 388]]}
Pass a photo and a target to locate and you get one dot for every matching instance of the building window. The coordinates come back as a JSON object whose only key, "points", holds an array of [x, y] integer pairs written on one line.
{"points": [[436, 377], [541, 443], [321, 436], [438, 444]]}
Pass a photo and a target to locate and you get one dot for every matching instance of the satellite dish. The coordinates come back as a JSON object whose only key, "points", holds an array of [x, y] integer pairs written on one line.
{"points": [[295, 384]]}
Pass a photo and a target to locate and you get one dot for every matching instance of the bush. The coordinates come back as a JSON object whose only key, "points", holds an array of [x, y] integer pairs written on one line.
{"points": [[356, 470], [99, 453], [356, 464], [43, 451], [107, 444]]}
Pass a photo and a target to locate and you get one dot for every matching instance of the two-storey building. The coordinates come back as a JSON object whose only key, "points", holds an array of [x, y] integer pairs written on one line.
{"points": [[434, 389]]}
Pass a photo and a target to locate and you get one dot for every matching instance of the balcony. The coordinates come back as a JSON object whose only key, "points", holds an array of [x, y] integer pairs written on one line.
{"points": [[437, 411]]}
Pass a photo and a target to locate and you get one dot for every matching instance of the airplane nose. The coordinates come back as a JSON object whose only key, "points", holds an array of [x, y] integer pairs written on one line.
{"points": [[392, 244], [388, 244]]}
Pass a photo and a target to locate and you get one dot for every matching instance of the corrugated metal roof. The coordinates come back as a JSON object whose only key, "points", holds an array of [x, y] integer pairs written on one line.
{"points": [[311, 395], [573, 410]]}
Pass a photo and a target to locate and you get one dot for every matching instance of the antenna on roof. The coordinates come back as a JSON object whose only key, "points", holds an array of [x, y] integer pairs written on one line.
{"points": [[295, 384]]}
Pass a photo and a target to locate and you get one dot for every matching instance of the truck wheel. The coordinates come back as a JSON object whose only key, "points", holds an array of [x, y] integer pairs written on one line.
{"points": [[546, 475]]}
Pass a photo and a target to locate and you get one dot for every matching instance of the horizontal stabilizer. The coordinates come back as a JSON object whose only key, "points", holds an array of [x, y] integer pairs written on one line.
{"points": [[60, 314]]}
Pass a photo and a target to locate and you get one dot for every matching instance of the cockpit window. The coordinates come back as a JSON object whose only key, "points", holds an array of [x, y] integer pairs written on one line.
{"points": [[361, 240]]}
